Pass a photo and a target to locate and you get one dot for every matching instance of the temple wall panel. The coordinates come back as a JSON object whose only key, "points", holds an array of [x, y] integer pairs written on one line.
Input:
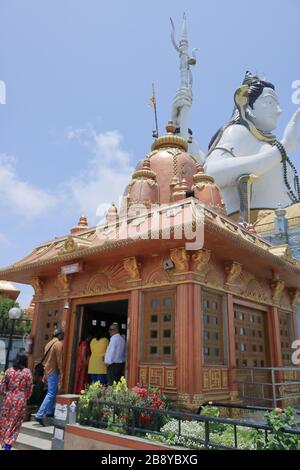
{"points": [[160, 376]]}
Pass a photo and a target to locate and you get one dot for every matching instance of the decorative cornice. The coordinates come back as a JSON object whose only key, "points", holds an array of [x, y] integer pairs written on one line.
{"points": [[294, 296], [201, 260], [180, 258], [132, 267], [233, 271], [63, 281], [144, 174], [72, 244], [169, 141], [37, 285], [215, 224], [277, 287]]}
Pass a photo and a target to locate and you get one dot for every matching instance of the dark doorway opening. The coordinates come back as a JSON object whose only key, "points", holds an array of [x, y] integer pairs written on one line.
{"points": [[92, 316], [104, 314]]}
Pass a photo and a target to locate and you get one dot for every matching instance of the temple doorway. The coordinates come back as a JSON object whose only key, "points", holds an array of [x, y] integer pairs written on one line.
{"points": [[104, 314], [92, 316]]}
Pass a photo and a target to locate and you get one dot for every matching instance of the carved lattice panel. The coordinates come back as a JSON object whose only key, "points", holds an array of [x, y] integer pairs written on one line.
{"points": [[170, 378], [213, 342], [286, 337], [159, 327], [50, 318], [156, 376], [143, 375], [215, 379], [251, 345]]}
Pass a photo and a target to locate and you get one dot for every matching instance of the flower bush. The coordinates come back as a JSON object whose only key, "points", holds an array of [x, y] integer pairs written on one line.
{"points": [[191, 432], [121, 419], [187, 433]]}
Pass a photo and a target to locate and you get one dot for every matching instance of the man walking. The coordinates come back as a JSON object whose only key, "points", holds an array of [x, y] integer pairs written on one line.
{"points": [[115, 355], [53, 374]]}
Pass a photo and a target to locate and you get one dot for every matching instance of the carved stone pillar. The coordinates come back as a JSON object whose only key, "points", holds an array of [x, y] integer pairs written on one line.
{"points": [[274, 337], [277, 287], [35, 333], [197, 342], [231, 345], [37, 285], [133, 335], [188, 341], [274, 342]]}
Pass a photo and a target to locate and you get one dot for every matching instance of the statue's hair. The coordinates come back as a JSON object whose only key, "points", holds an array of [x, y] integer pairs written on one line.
{"points": [[256, 86]]}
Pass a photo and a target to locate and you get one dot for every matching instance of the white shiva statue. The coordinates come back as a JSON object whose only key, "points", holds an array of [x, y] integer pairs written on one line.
{"points": [[248, 163]]}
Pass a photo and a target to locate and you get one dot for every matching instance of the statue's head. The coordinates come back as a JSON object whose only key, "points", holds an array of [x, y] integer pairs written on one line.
{"points": [[256, 102], [262, 107]]}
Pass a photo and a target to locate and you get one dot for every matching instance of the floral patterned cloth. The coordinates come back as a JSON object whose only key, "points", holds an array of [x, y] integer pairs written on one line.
{"points": [[16, 388]]}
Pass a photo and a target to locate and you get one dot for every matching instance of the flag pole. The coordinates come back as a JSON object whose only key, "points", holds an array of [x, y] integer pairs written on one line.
{"points": [[155, 110]]}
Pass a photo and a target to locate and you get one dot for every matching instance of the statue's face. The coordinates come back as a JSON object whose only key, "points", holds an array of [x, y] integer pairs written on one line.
{"points": [[266, 111]]}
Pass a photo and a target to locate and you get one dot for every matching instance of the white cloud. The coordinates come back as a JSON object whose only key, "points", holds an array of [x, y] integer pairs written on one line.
{"points": [[108, 172], [18, 196]]}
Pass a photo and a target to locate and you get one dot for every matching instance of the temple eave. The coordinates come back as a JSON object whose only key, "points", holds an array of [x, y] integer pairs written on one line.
{"points": [[226, 239]]}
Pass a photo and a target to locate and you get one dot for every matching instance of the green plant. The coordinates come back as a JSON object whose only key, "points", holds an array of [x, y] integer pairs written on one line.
{"points": [[213, 412], [121, 419], [279, 440]]}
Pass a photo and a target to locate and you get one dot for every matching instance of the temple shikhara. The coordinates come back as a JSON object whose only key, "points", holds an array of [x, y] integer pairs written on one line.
{"points": [[205, 302]]}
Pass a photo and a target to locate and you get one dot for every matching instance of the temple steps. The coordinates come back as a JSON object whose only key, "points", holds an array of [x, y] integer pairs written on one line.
{"points": [[33, 436]]}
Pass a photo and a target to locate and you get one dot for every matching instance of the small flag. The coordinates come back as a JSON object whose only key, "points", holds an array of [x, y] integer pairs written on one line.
{"points": [[152, 101]]}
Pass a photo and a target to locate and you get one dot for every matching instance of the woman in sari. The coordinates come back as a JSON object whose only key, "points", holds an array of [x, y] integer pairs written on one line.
{"points": [[16, 388], [83, 357]]}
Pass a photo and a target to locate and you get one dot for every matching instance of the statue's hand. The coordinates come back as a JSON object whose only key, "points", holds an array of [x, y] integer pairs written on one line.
{"points": [[291, 138]]}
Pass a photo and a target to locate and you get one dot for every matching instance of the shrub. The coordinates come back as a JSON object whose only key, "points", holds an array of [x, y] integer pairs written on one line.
{"points": [[223, 434], [121, 419], [278, 439]]}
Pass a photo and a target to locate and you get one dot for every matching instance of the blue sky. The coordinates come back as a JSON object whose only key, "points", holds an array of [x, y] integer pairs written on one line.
{"points": [[78, 77]]}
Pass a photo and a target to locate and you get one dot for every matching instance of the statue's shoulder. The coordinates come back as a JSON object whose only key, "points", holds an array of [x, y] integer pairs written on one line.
{"points": [[236, 132], [237, 140]]}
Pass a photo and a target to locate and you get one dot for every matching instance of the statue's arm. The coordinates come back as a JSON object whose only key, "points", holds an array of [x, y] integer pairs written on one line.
{"points": [[231, 159]]}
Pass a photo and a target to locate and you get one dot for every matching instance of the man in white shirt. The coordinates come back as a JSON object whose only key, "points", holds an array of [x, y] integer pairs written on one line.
{"points": [[115, 355]]}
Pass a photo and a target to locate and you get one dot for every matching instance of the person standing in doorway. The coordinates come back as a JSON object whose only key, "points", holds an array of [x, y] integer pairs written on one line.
{"points": [[97, 369], [53, 374], [82, 362], [115, 355]]}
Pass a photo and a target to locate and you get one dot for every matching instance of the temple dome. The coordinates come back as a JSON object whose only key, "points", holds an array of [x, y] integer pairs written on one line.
{"points": [[206, 190], [170, 160], [81, 226], [143, 189], [168, 174]]}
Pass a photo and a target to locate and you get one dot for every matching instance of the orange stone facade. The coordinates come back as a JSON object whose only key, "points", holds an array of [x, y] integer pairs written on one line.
{"points": [[194, 317]]}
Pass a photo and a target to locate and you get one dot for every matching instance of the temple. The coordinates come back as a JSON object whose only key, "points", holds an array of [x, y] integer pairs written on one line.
{"points": [[8, 290], [203, 301]]}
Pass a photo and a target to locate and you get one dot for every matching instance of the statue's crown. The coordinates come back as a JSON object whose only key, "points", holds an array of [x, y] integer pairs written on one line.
{"points": [[250, 78]]}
